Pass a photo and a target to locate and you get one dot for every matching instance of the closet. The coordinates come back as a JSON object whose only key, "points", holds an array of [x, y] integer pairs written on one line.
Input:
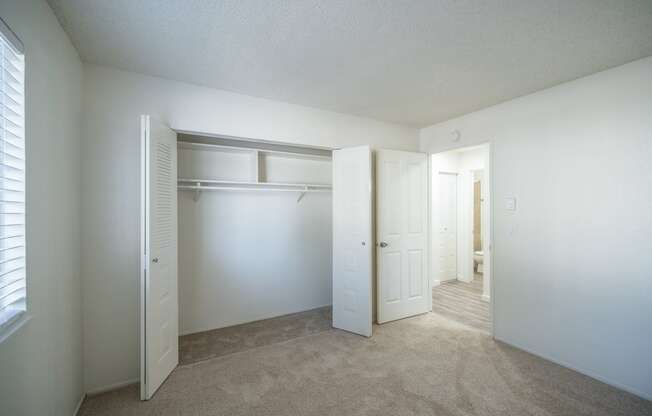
{"points": [[254, 231], [235, 230]]}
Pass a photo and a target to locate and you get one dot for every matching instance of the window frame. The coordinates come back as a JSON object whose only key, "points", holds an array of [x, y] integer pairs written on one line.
{"points": [[22, 316]]}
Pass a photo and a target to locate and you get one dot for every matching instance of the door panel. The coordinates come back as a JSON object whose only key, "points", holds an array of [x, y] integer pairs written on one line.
{"points": [[448, 226], [352, 240], [415, 272], [402, 208], [392, 269], [159, 310]]}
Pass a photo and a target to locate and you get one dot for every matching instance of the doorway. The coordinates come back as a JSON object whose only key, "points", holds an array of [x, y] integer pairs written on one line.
{"points": [[460, 236]]}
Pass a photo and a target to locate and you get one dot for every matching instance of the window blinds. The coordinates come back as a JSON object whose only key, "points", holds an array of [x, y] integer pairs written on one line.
{"points": [[12, 181]]}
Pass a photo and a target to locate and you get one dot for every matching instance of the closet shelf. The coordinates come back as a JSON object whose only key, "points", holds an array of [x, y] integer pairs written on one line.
{"points": [[252, 150]]}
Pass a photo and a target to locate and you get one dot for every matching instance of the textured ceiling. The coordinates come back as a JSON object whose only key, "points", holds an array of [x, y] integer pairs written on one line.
{"points": [[411, 62]]}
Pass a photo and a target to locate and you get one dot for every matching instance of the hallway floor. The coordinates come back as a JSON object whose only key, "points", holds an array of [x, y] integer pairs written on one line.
{"points": [[462, 302], [425, 365]]}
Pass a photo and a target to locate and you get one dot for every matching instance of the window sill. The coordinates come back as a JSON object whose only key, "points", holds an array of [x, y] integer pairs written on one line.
{"points": [[16, 322]]}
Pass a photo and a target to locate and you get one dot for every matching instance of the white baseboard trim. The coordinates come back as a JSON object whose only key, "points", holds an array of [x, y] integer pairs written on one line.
{"points": [[436, 283], [79, 404], [628, 389], [486, 298], [115, 386]]}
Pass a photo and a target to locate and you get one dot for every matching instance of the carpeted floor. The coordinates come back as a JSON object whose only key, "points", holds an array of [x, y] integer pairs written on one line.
{"points": [[462, 302], [426, 365], [218, 342]]}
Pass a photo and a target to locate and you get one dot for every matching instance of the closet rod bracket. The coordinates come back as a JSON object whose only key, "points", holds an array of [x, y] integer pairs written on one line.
{"points": [[197, 192], [302, 194]]}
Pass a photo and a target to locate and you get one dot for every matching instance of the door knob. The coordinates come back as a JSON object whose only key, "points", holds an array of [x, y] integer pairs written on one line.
{"points": [[155, 260], [383, 244]]}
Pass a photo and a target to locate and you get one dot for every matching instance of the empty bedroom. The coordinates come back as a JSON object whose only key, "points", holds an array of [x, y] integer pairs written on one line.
{"points": [[311, 207]]}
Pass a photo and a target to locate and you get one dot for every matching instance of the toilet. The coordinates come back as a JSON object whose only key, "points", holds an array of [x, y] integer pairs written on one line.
{"points": [[478, 260]]}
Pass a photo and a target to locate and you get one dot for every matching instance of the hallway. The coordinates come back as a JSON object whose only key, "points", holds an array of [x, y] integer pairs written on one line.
{"points": [[462, 302]]}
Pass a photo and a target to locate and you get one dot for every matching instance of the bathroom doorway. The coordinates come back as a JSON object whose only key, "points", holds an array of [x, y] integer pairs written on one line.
{"points": [[461, 284]]}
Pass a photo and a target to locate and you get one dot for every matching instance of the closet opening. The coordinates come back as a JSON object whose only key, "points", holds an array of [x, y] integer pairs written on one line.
{"points": [[254, 234]]}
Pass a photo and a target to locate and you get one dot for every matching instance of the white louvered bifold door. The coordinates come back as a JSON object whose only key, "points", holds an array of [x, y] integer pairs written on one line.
{"points": [[13, 285], [160, 323]]}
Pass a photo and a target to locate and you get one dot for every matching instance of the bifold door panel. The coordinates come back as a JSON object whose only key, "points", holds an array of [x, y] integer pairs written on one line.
{"points": [[402, 234], [159, 304], [352, 240]]}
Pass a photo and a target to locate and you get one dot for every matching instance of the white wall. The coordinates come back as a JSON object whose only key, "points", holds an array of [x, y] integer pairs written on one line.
{"points": [[472, 159], [113, 100], [572, 273], [41, 363], [245, 256]]}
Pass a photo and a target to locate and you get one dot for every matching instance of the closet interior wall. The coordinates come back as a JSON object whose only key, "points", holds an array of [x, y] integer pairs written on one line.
{"points": [[251, 246]]}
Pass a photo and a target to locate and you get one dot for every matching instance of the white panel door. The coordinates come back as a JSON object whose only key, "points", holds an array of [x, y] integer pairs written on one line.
{"points": [[352, 240], [447, 226], [402, 234], [159, 304]]}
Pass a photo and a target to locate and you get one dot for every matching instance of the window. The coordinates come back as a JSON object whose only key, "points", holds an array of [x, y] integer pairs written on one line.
{"points": [[13, 284]]}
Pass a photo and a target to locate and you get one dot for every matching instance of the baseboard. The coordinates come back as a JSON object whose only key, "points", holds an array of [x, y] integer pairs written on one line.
{"points": [[111, 387], [436, 283], [486, 298], [79, 405], [591, 374]]}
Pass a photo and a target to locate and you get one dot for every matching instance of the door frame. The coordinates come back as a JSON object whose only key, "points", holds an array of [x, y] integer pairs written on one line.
{"points": [[143, 225], [490, 224]]}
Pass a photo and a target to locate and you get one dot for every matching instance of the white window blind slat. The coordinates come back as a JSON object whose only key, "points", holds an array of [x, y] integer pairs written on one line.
{"points": [[12, 270], [9, 279], [13, 278], [13, 298], [12, 284], [10, 243], [14, 139], [10, 99], [12, 71]]}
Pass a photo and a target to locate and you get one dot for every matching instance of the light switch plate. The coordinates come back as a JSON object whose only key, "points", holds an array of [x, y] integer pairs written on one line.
{"points": [[510, 204]]}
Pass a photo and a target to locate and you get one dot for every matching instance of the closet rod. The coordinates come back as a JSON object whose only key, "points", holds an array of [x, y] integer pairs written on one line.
{"points": [[268, 184], [240, 188]]}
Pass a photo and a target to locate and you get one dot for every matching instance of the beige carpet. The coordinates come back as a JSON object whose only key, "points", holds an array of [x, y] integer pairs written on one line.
{"points": [[218, 342], [426, 365], [462, 302]]}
